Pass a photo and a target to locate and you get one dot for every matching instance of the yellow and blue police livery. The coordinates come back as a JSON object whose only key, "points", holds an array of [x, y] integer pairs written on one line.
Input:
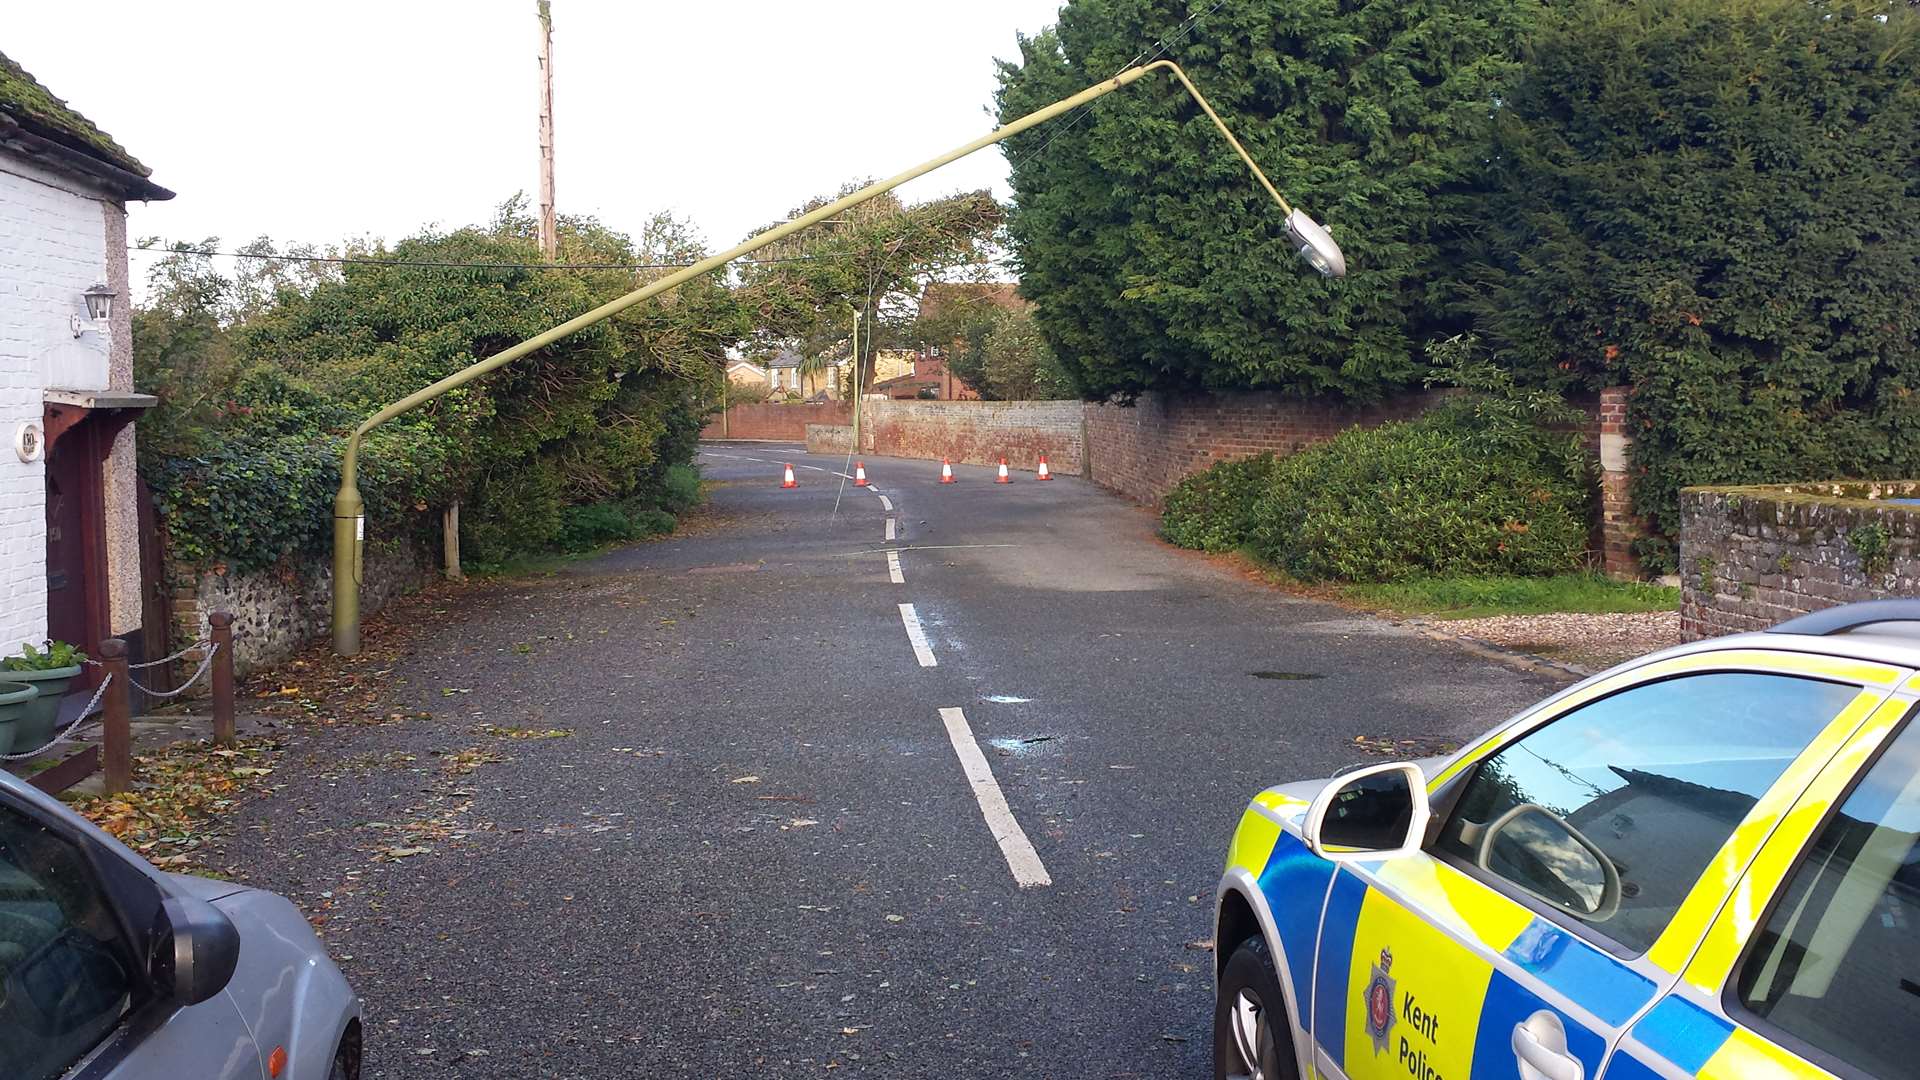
{"points": [[1703, 863]]}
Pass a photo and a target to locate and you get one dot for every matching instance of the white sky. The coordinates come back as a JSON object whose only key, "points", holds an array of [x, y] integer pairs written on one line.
{"points": [[318, 122]]}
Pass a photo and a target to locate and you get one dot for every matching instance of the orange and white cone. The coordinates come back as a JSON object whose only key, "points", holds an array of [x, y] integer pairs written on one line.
{"points": [[859, 474], [946, 471], [789, 482], [1003, 478], [1044, 474]]}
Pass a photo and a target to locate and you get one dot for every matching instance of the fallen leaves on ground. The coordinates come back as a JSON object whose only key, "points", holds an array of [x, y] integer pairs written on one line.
{"points": [[462, 762], [1403, 749], [177, 791], [500, 731]]}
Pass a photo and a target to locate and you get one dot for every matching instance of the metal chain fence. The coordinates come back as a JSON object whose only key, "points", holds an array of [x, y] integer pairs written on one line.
{"points": [[206, 664]]}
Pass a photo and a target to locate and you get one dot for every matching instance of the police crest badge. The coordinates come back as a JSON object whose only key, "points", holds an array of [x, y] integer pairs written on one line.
{"points": [[1378, 1000]]}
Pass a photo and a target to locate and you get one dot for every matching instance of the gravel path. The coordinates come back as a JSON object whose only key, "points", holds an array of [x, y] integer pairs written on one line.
{"points": [[1589, 641]]}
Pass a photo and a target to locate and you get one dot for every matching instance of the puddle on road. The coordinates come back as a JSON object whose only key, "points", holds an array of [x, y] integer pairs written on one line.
{"points": [[1286, 676], [1020, 746]]}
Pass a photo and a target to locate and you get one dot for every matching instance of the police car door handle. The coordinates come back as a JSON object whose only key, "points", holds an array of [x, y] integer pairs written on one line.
{"points": [[1540, 1042]]}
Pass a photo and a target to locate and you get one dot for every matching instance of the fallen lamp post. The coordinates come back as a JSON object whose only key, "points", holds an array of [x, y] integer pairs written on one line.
{"points": [[349, 511]]}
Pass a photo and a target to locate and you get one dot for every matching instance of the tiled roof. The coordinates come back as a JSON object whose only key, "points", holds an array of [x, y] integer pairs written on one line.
{"points": [[36, 109]]}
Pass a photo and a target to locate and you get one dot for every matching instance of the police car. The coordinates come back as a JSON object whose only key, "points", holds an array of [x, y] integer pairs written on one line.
{"points": [[1702, 863]]}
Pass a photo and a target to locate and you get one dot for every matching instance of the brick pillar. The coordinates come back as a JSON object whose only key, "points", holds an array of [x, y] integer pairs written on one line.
{"points": [[1618, 525]]}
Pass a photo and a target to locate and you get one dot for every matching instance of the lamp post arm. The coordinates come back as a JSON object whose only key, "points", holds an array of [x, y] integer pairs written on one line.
{"points": [[1207, 108], [348, 524]]}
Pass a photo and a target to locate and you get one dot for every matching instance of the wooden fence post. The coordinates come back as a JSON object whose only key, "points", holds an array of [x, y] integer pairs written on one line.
{"points": [[450, 540], [116, 756], [221, 623]]}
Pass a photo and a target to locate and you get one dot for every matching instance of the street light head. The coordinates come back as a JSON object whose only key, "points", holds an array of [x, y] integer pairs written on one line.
{"points": [[1316, 246]]}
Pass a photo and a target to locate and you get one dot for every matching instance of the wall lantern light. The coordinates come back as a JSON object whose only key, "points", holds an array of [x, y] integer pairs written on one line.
{"points": [[100, 302], [99, 306]]}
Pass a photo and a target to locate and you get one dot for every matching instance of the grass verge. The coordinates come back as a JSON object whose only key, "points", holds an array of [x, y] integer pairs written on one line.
{"points": [[1479, 597]]}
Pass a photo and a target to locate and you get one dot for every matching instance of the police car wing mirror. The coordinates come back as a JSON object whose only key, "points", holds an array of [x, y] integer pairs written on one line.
{"points": [[1548, 859], [1373, 813]]}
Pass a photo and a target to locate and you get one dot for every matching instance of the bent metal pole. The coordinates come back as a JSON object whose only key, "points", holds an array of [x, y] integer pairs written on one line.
{"points": [[349, 521]]}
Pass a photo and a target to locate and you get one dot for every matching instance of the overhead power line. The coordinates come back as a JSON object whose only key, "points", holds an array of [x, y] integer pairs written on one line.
{"points": [[374, 260], [1139, 58], [371, 261]]}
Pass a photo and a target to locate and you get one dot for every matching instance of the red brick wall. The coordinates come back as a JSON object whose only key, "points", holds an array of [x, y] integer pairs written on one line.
{"points": [[1142, 450], [782, 423], [977, 432]]}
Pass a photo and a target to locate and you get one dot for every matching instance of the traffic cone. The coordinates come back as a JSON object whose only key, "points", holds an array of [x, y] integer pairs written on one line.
{"points": [[859, 474], [946, 471], [789, 482], [1003, 478], [1044, 474]]}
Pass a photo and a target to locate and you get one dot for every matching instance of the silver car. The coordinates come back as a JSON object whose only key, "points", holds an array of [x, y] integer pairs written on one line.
{"points": [[113, 970]]}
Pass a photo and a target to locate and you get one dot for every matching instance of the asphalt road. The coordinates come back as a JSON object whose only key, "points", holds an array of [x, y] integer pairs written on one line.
{"points": [[759, 851]]}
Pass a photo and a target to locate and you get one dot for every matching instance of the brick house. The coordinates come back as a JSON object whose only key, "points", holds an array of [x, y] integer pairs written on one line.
{"points": [[70, 536], [929, 380]]}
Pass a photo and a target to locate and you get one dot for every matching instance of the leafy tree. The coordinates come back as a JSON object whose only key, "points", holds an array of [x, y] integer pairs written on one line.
{"points": [[1719, 204], [1155, 261], [988, 338], [1019, 364], [182, 352], [804, 290], [955, 318]]}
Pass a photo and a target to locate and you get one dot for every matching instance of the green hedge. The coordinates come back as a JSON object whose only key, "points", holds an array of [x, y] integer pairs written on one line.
{"points": [[1464, 489], [583, 443], [1212, 510], [1715, 203]]}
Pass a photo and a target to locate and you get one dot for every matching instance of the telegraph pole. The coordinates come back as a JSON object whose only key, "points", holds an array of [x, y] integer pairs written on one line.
{"points": [[549, 238]]}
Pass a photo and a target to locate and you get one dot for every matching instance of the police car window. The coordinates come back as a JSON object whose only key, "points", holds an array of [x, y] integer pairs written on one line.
{"points": [[1838, 962], [65, 980], [1656, 778]]}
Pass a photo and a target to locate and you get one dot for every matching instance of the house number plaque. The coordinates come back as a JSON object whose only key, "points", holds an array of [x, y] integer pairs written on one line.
{"points": [[30, 442]]}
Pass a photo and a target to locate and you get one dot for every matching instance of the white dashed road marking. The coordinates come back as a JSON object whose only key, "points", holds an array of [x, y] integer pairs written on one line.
{"points": [[886, 503], [1028, 871], [917, 636], [893, 568], [889, 528]]}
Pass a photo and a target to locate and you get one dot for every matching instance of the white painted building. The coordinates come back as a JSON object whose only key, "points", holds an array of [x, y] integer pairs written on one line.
{"points": [[69, 527]]}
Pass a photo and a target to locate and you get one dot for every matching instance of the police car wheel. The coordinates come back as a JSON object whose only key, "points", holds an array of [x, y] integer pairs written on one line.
{"points": [[1251, 1038]]}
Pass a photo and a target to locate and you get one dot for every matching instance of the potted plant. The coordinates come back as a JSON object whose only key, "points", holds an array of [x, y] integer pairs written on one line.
{"points": [[15, 697], [51, 671]]}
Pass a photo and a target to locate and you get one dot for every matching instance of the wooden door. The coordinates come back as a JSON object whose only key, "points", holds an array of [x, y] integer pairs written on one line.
{"points": [[76, 540]]}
